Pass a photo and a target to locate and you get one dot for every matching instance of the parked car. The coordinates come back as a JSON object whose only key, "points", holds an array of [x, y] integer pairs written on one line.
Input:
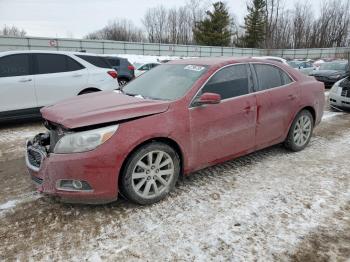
{"points": [[339, 95], [145, 67], [303, 66], [273, 58], [331, 72], [30, 80], [126, 71], [178, 118]]}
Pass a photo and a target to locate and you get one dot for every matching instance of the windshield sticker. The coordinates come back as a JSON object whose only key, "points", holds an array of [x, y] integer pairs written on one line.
{"points": [[194, 68]]}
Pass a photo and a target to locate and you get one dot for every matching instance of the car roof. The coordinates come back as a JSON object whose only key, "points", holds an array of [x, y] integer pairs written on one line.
{"points": [[212, 61], [12, 52]]}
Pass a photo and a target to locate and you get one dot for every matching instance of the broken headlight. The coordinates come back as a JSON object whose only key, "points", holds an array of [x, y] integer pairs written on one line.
{"points": [[84, 141]]}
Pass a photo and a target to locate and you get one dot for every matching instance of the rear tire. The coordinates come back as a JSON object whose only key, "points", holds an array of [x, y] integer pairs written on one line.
{"points": [[123, 82], [300, 132], [150, 173]]}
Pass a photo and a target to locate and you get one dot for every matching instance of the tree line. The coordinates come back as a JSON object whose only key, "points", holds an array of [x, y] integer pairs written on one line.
{"points": [[267, 24]]}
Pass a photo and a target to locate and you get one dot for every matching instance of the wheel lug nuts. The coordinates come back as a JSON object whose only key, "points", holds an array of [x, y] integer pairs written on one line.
{"points": [[147, 172], [153, 167]]}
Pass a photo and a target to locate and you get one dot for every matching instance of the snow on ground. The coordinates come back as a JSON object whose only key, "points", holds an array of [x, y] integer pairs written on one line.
{"points": [[143, 59], [328, 115], [272, 205], [27, 197]]}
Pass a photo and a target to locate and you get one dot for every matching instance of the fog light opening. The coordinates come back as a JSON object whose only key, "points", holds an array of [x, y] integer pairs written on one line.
{"points": [[73, 185], [77, 184]]}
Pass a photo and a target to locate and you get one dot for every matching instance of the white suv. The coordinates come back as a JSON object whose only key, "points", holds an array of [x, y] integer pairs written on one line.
{"points": [[30, 80]]}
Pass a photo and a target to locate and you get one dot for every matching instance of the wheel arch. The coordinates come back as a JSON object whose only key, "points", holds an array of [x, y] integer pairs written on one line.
{"points": [[311, 110], [89, 89], [308, 108], [166, 140]]}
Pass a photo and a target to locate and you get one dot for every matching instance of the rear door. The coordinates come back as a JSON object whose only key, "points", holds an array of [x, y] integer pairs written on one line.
{"points": [[277, 97], [16, 83], [58, 77], [228, 128]]}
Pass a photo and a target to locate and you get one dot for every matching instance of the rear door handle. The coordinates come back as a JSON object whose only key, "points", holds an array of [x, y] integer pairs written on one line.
{"points": [[23, 80], [77, 75], [292, 97], [248, 109]]}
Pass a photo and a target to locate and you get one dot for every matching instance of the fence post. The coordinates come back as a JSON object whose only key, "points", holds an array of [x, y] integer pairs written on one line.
{"points": [[28, 41]]}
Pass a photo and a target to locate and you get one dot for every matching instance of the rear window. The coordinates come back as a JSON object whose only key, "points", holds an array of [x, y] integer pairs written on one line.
{"points": [[14, 65], [96, 61]]}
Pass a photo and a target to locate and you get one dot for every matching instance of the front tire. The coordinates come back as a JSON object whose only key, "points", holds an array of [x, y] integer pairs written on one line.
{"points": [[150, 173], [300, 132]]}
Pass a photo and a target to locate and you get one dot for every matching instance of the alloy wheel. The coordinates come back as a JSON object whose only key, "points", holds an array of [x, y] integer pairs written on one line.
{"points": [[302, 130], [152, 174]]}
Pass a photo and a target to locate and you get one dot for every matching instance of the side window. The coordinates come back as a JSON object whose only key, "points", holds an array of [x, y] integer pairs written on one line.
{"points": [[285, 78], [114, 61], [95, 60], [56, 63], [229, 82], [73, 65], [14, 65], [51, 63], [268, 76], [145, 67]]}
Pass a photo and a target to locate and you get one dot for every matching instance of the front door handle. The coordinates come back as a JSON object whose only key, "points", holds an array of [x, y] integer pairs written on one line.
{"points": [[23, 80]]}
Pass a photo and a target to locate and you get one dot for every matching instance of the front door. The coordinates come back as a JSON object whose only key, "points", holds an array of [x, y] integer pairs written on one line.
{"points": [[226, 129]]}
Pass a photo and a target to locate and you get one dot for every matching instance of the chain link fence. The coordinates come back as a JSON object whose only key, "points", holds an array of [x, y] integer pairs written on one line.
{"points": [[116, 47]]}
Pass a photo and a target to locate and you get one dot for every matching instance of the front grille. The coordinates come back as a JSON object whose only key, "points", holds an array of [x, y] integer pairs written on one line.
{"points": [[37, 180], [345, 85], [34, 157], [321, 78], [345, 92]]}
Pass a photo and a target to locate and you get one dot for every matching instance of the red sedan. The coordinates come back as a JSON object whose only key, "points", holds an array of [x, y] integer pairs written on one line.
{"points": [[177, 118]]}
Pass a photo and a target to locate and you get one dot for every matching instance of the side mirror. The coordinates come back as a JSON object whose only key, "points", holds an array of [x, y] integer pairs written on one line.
{"points": [[208, 99]]}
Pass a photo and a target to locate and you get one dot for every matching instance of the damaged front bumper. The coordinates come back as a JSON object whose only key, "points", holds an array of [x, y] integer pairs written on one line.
{"points": [[90, 177]]}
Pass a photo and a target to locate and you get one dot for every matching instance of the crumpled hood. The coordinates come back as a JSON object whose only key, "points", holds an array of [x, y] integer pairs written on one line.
{"points": [[327, 73], [99, 108]]}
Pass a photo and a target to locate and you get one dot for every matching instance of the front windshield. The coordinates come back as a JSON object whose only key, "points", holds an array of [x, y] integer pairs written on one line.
{"points": [[165, 82], [334, 66]]}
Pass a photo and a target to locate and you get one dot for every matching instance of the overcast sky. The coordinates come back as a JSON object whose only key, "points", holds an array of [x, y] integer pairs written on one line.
{"points": [[76, 18]]}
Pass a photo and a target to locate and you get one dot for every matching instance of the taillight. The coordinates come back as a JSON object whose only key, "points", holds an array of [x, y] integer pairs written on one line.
{"points": [[113, 74], [130, 67]]}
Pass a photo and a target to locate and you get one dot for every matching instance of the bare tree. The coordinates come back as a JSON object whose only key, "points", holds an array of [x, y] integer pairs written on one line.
{"points": [[273, 10], [332, 27], [119, 30], [12, 31], [302, 25], [173, 25]]}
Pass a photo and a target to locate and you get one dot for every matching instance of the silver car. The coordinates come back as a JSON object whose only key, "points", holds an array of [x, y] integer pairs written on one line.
{"points": [[339, 95]]}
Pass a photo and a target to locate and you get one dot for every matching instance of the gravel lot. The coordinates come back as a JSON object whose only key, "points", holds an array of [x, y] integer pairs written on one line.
{"points": [[272, 205]]}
